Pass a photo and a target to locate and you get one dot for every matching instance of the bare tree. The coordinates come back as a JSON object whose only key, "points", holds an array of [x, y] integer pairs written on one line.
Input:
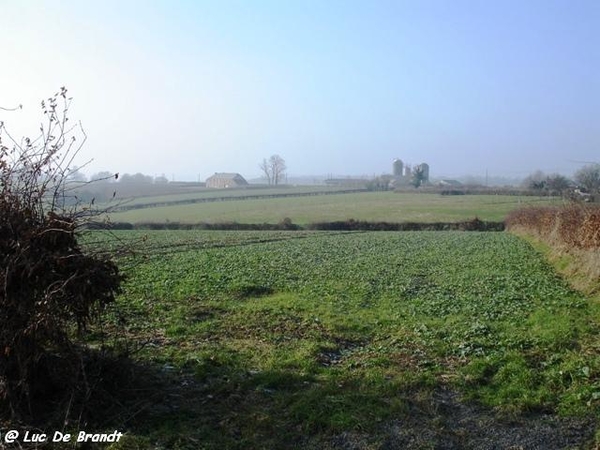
{"points": [[266, 169], [557, 184], [535, 181], [274, 169], [277, 168], [588, 177]]}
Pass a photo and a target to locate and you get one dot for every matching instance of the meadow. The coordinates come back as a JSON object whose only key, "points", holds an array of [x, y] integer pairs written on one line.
{"points": [[158, 196], [372, 206], [354, 340]]}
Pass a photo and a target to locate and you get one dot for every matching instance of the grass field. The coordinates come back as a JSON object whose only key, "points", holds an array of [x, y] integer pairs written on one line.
{"points": [[372, 206], [326, 340], [211, 194]]}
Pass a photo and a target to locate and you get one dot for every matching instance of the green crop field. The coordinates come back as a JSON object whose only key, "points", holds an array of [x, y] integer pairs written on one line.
{"points": [[373, 206], [316, 339]]}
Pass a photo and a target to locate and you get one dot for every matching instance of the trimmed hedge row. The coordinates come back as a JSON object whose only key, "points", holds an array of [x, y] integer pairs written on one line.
{"points": [[357, 225], [286, 224], [576, 226]]}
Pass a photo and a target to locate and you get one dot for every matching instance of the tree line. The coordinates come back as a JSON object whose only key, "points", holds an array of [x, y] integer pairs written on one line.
{"points": [[586, 181], [76, 175]]}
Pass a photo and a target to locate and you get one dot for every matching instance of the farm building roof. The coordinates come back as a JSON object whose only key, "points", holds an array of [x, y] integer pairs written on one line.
{"points": [[226, 179]]}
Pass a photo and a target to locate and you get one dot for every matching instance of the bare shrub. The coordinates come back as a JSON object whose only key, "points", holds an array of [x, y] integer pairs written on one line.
{"points": [[50, 287], [590, 228]]}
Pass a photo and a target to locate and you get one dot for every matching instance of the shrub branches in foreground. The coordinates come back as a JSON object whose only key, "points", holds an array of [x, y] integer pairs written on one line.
{"points": [[49, 287]]}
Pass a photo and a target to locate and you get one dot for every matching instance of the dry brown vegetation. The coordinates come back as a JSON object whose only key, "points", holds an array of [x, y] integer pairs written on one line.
{"points": [[571, 231], [50, 286]]}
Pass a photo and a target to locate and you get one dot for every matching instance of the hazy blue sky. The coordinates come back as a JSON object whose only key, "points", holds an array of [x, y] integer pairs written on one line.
{"points": [[189, 88]]}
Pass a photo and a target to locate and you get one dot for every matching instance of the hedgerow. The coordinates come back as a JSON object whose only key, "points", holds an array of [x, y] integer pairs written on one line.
{"points": [[573, 225], [572, 234]]}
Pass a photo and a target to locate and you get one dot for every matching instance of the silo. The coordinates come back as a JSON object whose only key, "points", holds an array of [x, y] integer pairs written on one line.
{"points": [[425, 169], [398, 167]]}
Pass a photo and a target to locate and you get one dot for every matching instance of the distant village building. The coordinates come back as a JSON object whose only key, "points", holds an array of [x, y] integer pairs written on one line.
{"points": [[226, 180], [449, 183]]}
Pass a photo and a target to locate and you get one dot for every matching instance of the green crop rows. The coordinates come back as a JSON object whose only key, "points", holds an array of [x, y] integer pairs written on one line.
{"points": [[322, 332]]}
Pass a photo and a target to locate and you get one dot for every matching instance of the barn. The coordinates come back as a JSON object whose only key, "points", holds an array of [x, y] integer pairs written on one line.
{"points": [[226, 180]]}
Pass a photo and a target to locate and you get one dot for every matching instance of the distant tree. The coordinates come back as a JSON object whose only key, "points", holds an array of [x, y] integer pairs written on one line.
{"points": [[138, 178], [380, 183], [161, 180], [75, 175], [266, 170], [278, 168], [274, 169], [588, 177], [126, 178], [142, 179], [418, 176], [536, 181], [556, 184]]}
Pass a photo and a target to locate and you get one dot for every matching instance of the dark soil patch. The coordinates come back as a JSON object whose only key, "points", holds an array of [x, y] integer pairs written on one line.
{"points": [[333, 356]]}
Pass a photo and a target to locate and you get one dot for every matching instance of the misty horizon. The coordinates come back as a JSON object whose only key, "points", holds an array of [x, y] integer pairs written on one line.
{"points": [[187, 89]]}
